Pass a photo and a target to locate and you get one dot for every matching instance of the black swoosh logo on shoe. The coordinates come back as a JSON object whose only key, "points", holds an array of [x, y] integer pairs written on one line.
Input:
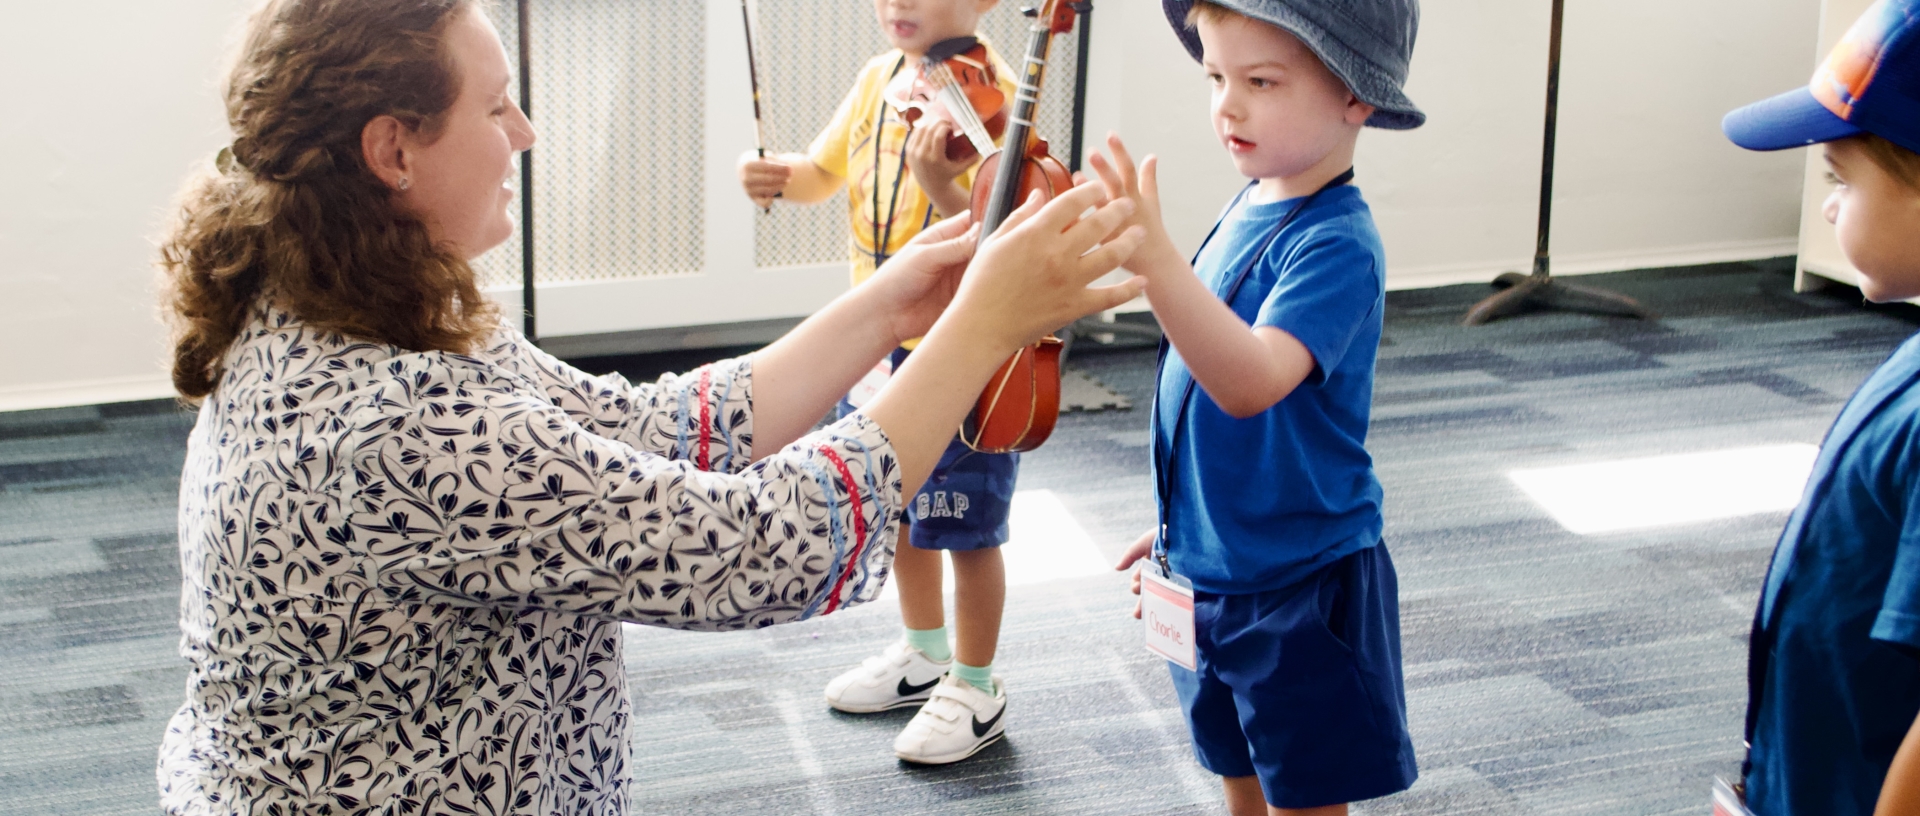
{"points": [[980, 729], [907, 689]]}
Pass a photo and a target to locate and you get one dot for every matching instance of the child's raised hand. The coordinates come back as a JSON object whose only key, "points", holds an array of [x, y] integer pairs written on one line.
{"points": [[1122, 180], [937, 175], [763, 178], [1132, 556]]}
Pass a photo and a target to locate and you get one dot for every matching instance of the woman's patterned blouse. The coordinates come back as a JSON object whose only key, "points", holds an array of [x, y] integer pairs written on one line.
{"points": [[405, 572]]}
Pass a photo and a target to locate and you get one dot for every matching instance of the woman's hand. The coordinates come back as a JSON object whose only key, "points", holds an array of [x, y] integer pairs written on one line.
{"points": [[1132, 556], [799, 377], [1030, 278], [1033, 274], [913, 287], [1157, 253]]}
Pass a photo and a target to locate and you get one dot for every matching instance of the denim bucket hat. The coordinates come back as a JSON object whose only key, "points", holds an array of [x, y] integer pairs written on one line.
{"points": [[1366, 43]]}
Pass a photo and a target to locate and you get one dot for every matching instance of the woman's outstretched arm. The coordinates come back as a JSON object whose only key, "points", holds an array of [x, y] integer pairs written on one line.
{"points": [[799, 377], [474, 491]]}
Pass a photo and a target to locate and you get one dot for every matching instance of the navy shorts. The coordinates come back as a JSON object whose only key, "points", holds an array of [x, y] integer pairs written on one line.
{"points": [[965, 503], [1301, 686]]}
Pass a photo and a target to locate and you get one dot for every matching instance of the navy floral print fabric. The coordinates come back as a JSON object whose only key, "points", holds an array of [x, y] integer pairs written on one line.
{"points": [[404, 573]]}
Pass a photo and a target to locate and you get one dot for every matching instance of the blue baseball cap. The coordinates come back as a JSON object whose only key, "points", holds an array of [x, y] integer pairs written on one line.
{"points": [[1368, 44], [1869, 84]]}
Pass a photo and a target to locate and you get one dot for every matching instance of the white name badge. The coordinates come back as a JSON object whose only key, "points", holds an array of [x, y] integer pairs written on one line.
{"points": [[1166, 607], [1727, 801], [869, 386]]}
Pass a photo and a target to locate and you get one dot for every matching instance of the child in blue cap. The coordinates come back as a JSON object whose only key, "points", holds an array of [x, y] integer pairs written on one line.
{"points": [[1269, 507], [1834, 668]]}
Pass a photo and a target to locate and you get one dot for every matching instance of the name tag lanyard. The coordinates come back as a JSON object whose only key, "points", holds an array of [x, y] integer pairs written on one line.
{"points": [[1162, 462]]}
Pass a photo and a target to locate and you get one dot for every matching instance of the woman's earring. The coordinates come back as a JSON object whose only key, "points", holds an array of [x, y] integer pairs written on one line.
{"points": [[405, 183]]}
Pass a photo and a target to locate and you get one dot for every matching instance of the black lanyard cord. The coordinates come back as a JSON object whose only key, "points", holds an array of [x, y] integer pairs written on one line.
{"points": [[881, 240], [1161, 468]]}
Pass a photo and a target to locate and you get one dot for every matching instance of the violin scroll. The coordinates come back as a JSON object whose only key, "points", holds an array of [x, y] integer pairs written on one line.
{"points": [[1060, 15]]}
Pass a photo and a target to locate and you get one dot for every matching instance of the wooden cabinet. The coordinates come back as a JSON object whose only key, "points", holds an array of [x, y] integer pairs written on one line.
{"points": [[1820, 256]]}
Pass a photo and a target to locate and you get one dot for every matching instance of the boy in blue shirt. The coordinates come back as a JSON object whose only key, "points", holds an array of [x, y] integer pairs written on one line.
{"points": [[1834, 668], [1269, 506]]}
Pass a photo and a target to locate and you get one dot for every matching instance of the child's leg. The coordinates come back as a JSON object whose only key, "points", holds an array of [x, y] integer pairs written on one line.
{"points": [[906, 672], [963, 510], [965, 712], [918, 574], [979, 598], [1298, 694], [1244, 798], [968, 515]]}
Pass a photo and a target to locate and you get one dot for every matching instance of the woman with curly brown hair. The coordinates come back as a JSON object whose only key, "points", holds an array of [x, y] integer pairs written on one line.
{"points": [[408, 536]]}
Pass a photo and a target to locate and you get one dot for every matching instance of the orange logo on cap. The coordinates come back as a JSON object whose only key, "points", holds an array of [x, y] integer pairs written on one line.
{"points": [[1844, 77]]}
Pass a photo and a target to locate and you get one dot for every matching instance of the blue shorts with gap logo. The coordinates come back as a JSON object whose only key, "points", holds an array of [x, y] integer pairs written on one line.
{"points": [[1301, 686], [966, 501]]}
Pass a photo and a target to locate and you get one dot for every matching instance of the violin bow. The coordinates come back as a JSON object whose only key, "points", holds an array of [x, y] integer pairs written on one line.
{"points": [[753, 78]]}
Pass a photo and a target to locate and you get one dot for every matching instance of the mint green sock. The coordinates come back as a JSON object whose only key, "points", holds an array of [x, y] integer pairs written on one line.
{"points": [[980, 676], [931, 642]]}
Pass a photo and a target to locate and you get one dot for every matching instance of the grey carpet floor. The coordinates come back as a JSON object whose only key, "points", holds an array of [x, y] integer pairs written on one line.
{"points": [[1547, 672]]}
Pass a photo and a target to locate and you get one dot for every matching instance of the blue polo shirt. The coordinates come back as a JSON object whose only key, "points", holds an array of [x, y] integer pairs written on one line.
{"points": [[1259, 503], [1836, 649]]}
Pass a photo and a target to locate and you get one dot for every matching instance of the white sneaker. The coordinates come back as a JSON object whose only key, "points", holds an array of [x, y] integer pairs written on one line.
{"points": [[955, 724], [898, 677]]}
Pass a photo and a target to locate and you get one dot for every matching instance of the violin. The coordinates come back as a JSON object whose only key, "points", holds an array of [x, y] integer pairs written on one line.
{"points": [[956, 82], [1021, 403]]}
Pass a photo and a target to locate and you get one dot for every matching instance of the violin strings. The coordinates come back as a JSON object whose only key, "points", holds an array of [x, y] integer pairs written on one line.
{"points": [[962, 110]]}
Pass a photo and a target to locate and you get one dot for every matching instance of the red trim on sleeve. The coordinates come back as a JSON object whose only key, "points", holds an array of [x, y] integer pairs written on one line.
{"points": [[859, 527], [706, 418]]}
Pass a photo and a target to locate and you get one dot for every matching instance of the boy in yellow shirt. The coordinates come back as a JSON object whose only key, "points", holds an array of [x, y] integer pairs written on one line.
{"points": [[899, 182]]}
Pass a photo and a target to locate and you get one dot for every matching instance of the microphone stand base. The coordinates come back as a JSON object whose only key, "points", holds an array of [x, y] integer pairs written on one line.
{"points": [[1525, 293]]}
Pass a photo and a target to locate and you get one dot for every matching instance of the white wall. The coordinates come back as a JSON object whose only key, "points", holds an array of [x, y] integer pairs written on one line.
{"points": [[1644, 177], [109, 104], [113, 101]]}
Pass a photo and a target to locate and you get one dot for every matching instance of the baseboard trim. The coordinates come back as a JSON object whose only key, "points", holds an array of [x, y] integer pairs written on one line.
{"points": [[85, 392], [134, 389], [641, 341], [1428, 277]]}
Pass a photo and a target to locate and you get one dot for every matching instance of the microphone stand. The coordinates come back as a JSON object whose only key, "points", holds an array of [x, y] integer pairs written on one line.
{"points": [[527, 312], [1540, 289]]}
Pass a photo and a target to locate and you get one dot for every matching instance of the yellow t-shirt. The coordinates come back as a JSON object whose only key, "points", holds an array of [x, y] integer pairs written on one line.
{"points": [[885, 206]]}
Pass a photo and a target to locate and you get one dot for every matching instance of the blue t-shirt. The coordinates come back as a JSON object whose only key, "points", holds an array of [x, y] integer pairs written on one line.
{"points": [[1837, 651], [1259, 503]]}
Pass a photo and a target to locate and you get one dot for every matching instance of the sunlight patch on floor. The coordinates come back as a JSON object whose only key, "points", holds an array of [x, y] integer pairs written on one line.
{"points": [[1656, 491]]}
